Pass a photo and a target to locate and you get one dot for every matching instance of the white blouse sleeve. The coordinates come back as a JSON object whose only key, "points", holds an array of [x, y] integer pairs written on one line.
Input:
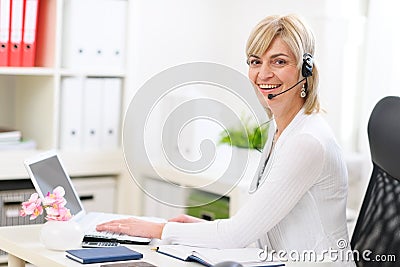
{"points": [[297, 165]]}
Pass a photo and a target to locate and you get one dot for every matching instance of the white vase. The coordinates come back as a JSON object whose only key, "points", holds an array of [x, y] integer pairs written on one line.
{"points": [[61, 235]]}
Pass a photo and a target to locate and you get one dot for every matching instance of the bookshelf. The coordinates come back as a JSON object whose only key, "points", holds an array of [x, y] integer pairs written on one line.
{"points": [[30, 101]]}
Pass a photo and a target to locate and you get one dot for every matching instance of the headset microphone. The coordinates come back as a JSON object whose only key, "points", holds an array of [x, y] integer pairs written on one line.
{"points": [[270, 96], [306, 71]]}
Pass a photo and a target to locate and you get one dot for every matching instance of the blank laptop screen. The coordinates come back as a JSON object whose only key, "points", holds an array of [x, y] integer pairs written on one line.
{"points": [[49, 174]]}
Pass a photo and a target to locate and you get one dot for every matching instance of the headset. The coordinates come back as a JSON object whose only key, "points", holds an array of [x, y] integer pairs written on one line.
{"points": [[306, 71], [307, 68], [308, 64]]}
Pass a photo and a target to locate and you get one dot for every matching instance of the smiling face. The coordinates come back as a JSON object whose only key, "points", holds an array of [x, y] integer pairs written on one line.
{"points": [[274, 72]]}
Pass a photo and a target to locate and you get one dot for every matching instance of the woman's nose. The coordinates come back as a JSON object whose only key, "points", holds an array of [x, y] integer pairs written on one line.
{"points": [[265, 71]]}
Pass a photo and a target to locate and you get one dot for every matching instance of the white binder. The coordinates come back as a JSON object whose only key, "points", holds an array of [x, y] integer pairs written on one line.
{"points": [[71, 113], [110, 129], [92, 111], [94, 33], [114, 31], [76, 45]]}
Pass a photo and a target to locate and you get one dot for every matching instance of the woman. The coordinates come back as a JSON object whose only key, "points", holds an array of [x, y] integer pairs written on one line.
{"points": [[298, 200]]}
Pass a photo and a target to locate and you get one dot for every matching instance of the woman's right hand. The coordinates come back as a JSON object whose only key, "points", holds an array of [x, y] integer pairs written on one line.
{"points": [[183, 218]]}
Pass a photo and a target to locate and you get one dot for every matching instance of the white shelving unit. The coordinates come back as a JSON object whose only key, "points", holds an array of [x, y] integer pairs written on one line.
{"points": [[30, 102]]}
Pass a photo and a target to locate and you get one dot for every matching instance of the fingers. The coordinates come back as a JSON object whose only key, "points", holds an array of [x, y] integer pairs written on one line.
{"points": [[107, 227], [113, 226], [122, 221], [125, 221], [109, 223]]}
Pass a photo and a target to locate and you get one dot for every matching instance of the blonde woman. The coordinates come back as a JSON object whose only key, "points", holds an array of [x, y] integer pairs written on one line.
{"points": [[298, 198]]}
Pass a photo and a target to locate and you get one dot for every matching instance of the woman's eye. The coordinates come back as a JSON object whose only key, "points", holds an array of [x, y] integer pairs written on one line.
{"points": [[253, 62], [279, 62]]}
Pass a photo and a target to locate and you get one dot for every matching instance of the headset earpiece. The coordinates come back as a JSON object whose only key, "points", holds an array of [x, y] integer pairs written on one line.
{"points": [[307, 67]]}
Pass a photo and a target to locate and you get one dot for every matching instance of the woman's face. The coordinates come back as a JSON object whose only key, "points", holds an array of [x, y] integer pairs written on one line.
{"points": [[274, 72]]}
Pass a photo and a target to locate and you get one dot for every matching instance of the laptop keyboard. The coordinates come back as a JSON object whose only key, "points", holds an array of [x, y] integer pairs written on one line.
{"points": [[115, 237]]}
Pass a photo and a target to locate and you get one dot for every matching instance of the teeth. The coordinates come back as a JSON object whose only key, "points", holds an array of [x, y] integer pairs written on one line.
{"points": [[268, 86]]}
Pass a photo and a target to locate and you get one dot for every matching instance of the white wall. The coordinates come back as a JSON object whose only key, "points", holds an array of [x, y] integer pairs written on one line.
{"points": [[168, 33], [381, 61]]}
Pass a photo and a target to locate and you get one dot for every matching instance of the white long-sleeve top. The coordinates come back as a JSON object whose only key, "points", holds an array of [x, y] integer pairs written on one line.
{"points": [[300, 201]]}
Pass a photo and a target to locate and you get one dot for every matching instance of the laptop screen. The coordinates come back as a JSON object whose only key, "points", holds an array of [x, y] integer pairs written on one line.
{"points": [[47, 173]]}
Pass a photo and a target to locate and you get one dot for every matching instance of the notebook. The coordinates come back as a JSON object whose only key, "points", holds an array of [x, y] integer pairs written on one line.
{"points": [[47, 172], [96, 255], [211, 256]]}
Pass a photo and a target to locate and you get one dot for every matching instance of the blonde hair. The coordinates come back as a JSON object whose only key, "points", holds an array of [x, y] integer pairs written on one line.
{"points": [[300, 40]]}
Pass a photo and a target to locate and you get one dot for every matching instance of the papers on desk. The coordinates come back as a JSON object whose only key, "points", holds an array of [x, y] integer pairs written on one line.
{"points": [[95, 255], [210, 256]]}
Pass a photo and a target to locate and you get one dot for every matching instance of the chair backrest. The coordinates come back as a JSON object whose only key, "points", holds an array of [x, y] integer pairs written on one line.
{"points": [[378, 224]]}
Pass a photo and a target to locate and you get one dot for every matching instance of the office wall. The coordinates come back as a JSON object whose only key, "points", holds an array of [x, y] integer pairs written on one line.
{"points": [[380, 64], [7, 114], [168, 33]]}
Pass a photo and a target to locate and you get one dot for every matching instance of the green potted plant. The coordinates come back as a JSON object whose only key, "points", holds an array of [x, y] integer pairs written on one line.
{"points": [[248, 136]]}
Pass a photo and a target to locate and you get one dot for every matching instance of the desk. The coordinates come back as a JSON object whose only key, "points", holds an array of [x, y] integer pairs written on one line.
{"points": [[22, 244]]}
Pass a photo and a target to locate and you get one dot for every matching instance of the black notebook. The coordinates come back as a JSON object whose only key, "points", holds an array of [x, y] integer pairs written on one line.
{"points": [[96, 255]]}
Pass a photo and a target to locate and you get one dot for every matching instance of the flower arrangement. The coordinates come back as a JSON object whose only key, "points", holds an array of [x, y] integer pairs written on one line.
{"points": [[53, 204]]}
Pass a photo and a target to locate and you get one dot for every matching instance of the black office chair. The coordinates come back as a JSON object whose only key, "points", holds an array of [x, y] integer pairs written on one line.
{"points": [[378, 224]]}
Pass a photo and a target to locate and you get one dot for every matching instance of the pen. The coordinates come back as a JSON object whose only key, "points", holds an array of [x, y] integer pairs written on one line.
{"points": [[155, 249]]}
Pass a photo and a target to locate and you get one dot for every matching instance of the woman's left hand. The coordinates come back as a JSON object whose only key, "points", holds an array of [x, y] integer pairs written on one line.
{"points": [[133, 227]]}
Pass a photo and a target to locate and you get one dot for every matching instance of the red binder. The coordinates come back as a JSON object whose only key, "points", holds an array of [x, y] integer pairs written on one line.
{"points": [[17, 17], [5, 13], [29, 33]]}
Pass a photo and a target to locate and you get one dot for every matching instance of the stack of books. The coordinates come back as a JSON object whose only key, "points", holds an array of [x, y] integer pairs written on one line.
{"points": [[11, 139]]}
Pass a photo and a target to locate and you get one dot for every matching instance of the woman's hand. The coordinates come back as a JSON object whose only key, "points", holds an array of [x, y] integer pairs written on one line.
{"points": [[183, 218], [133, 227]]}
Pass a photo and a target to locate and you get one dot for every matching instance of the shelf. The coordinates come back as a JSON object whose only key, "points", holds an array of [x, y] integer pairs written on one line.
{"points": [[93, 72], [37, 71], [79, 163], [40, 71]]}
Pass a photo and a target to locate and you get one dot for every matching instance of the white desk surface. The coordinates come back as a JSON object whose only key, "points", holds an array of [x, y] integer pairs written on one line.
{"points": [[22, 244]]}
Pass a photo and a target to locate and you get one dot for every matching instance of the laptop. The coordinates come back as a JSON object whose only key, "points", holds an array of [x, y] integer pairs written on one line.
{"points": [[47, 172]]}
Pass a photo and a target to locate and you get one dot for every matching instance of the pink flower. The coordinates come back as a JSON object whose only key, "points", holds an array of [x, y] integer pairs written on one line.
{"points": [[32, 207], [61, 214], [53, 203], [56, 198]]}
